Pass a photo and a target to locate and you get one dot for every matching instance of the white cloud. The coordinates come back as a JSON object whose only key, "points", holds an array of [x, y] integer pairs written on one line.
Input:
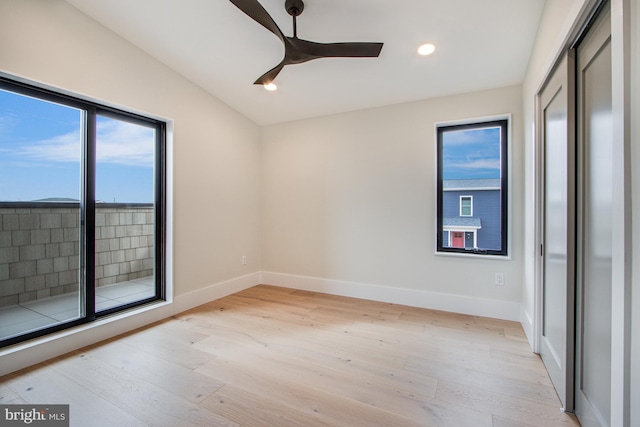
{"points": [[476, 164], [118, 143], [62, 148], [125, 143], [471, 136]]}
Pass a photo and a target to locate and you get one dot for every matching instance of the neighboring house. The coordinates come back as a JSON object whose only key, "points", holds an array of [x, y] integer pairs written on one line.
{"points": [[471, 213]]}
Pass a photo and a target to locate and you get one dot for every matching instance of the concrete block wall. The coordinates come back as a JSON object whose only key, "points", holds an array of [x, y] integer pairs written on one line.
{"points": [[124, 244], [40, 250]]}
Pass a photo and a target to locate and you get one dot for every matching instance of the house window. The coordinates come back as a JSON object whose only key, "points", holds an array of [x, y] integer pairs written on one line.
{"points": [[466, 205], [82, 211], [472, 188]]}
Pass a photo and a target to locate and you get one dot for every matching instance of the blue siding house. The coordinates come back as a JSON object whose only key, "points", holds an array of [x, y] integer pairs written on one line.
{"points": [[471, 213]]}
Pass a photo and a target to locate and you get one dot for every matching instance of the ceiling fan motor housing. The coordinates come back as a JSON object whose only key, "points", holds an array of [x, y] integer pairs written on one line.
{"points": [[294, 7]]}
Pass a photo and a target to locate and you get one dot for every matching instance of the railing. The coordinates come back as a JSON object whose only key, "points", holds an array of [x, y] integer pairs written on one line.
{"points": [[40, 249]]}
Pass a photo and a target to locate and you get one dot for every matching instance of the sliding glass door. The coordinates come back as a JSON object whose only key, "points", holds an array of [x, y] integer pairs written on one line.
{"points": [[41, 147], [81, 211], [125, 212]]}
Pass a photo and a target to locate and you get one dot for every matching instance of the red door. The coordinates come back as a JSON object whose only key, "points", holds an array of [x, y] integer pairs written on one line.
{"points": [[457, 239]]}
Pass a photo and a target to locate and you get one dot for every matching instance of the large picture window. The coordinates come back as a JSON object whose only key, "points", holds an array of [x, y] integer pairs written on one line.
{"points": [[82, 202], [472, 188]]}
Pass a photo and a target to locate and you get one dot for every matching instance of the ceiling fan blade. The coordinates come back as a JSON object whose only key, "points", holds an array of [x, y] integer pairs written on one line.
{"points": [[349, 49], [270, 75], [255, 10], [297, 50]]}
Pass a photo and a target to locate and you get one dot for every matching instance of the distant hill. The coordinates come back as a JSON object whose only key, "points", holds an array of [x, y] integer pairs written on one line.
{"points": [[57, 200]]}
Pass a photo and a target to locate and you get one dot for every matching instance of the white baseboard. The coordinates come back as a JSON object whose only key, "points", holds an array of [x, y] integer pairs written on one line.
{"points": [[39, 350], [214, 292], [527, 324], [484, 307]]}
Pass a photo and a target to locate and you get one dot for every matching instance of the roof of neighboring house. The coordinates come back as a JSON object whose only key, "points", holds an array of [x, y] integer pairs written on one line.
{"points": [[471, 184], [461, 222]]}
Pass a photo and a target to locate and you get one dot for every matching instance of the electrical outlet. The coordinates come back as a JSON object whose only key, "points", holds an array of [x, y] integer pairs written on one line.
{"points": [[244, 260], [499, 279]]}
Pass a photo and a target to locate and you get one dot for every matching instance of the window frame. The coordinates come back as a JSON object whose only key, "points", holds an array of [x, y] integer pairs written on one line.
{"points": [[504, 123], [90, 112]]}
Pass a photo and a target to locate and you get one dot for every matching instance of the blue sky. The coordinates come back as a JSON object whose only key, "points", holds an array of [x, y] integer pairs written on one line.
{"points": [[471, 153], [40, 151]]}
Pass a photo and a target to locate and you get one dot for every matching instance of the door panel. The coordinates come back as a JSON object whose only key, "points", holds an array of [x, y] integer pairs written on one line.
{"points": [[40, 215], [457, 240], [125, 212], [595, 133], [556, 345]]}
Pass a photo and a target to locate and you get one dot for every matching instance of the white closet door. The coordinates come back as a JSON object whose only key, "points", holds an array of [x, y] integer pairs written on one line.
{"points": [[595, 237], [557, 338]]}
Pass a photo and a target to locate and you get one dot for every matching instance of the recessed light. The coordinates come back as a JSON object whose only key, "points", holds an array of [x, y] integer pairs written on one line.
{"points": [[270, 86], [426, 49]]}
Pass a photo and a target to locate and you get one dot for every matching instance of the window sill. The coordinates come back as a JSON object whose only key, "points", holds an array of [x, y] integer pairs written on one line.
{"points": [[474, 255]]}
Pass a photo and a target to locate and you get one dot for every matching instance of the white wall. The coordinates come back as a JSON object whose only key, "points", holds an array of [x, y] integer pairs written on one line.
{"points": [[215, 168], [350, 198]]}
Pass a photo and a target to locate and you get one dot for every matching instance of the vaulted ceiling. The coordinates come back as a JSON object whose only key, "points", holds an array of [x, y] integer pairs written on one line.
{"points": [[479, 45]]}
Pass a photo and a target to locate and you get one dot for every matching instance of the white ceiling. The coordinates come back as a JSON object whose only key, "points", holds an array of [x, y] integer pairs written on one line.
{"points": [[480, 45]]}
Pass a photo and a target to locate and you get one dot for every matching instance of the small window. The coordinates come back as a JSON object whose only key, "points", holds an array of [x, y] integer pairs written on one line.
{"points": [[466, 205], [472, 188]]}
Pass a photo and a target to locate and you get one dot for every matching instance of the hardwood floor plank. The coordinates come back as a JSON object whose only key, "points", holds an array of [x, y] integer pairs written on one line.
{"points": [[279, 386], [251, 410], [320, 337], [503, 405], [503, 422], [146, 366], [522, 359], [310, 359], [455, 371], [148, 403], [7, 395], [474, 362], [174, 348], [86, 408], [400, 397]]}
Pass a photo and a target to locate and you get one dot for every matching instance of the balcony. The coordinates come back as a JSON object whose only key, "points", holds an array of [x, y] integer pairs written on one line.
{"points": [[41, 313], [40, 261]]}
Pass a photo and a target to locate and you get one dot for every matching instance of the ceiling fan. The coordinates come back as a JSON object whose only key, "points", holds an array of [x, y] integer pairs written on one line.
{"points": [[297, 51]]}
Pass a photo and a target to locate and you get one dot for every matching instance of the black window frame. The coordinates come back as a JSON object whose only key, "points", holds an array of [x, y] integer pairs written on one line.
{"points": [[91, 110], [441, 129]]}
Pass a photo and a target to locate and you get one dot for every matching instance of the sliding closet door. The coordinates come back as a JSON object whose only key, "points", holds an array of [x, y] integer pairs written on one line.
{"points": [[556, 344], [595, 140]]}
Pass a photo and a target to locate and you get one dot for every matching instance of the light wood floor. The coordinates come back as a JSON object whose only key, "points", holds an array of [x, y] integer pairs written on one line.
{"points": [[277, 357]]}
